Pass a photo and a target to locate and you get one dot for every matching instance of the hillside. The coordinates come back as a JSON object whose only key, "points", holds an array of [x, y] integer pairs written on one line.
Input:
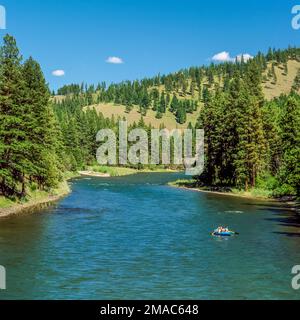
{"points": [[284, 81], [168, 120], [271, 90], [176, 100]]}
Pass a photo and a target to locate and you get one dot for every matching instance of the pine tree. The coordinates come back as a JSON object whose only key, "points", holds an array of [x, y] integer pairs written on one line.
{"points": [[205, 95], [250, 146], [174, 104], [192, 89], [253, 79], [273, 73], [212, 120], [163, 105], [181, 114], [290, 134], [13, 144], [40, 131]]}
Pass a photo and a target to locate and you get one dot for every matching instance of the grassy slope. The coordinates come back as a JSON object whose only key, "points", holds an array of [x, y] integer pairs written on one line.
{"points": [[123, 171], [283, 86], [284, 83], [109, 109]]}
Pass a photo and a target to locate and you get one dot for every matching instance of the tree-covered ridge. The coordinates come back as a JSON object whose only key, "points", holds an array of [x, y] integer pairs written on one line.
{"points": [[183, 93], [250, 142]]}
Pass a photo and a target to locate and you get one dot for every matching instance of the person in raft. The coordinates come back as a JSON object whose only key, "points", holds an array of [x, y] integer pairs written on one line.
{"points": [[222, 229]]}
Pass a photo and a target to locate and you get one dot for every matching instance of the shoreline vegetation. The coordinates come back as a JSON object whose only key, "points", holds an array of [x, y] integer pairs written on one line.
{"points": [[254, 194], [107, 171], [39, 199], [35, 200]]}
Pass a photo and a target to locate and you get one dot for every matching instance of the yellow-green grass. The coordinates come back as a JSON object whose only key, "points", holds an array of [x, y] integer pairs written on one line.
{"points": [[110, 110], [284, 82], [5, 203], [113, 171], [35, 197], [257, 193], [124, 171], [68, 175]]}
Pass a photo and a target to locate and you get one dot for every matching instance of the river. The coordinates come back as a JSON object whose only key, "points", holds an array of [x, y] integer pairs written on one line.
{"points": [[135, 237]]}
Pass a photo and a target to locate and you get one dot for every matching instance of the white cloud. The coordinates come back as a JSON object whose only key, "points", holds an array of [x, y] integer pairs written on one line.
{"points": [[58, 73], [246, 57], [225, 57], [114, 60], [222, 57]]}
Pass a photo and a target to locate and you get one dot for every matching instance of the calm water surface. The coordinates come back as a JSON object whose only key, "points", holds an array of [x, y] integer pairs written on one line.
{"points": [[136, 238]]}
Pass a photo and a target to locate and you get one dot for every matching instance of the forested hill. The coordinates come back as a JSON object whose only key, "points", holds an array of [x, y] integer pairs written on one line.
{"points": [[251, 140], [175, 100], [250, 111]]}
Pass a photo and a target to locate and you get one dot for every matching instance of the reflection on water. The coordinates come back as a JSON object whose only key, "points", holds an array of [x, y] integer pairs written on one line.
{"points": [[136, 238]]}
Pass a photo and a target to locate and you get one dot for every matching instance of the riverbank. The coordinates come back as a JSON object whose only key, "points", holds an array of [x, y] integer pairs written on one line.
{"points": [[106, 171], [259, 194], [90, 173], [35, 200], [38, 199]]}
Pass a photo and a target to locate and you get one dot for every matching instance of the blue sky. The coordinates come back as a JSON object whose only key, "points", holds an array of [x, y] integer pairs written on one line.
{"points": [[148, 36]]}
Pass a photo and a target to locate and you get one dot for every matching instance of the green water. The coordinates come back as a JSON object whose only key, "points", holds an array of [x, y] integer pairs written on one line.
{"points": [[136, 238]]}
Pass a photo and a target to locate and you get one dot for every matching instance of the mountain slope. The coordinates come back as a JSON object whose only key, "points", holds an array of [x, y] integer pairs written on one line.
{"points": [[271, 90], [284, 82]]}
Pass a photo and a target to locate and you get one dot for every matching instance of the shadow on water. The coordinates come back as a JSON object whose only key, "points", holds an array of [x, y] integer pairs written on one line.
{"points": [[285, 215], [289, 234], [289, 221]]}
